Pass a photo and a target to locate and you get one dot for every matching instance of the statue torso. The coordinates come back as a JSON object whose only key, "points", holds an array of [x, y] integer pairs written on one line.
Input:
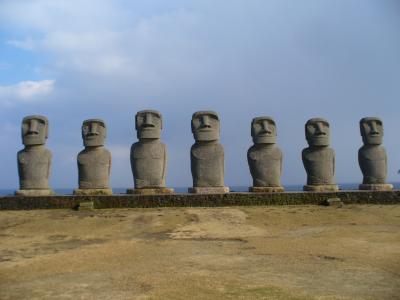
{"points": [[373, 164], [265, 165], [94, 168], [319, 165], [148, 162], [207, 164], [34, 168]]}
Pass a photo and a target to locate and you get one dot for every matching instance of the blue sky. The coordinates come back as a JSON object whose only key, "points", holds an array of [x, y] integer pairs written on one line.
{"points": [[292, 60]]}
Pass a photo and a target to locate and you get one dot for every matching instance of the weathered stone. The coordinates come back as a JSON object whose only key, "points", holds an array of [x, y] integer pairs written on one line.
{"points": [[34, 161], [94, 162], [86, 205], [209, 190], [376, 187], [150, 191], [318, 158], [266, 189], [264, 157], [93, 192], [321, 188], [335, 202], [372, 156], [206, 154], [149, 154], [34, 193]]}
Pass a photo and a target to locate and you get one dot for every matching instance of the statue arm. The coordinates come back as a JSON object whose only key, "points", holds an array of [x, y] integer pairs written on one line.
{"points": [[49, 165], [164, 171], [109, 163]]}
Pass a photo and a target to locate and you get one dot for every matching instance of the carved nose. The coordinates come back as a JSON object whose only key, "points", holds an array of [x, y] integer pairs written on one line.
{"points": [[93, 129], [148, 121], [33, 127], [319, 130], [265, 127], [374, 130], [205, 122]]}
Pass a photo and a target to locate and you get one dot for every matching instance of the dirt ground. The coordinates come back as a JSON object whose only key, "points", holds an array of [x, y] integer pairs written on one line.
{"points": [[275, 252]]}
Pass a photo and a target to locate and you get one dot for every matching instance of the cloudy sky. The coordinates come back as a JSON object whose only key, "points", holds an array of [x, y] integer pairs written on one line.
{"points": [[292, 60]]}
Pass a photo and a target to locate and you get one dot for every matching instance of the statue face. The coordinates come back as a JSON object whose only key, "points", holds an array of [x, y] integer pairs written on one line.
{"points": [[205, 126], [93, 132], [263, 130], [371, 131], [317, 132], [34, 130], [148, 124]]}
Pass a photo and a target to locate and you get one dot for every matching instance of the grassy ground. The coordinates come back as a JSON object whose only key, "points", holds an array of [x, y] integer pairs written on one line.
{"points": [[292, 252]]}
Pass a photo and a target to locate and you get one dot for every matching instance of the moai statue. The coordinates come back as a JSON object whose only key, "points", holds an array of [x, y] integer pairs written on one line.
{"points": [[265, 157], [372, 156], [318, 158], [207, 155], [34, 161], [94, 162], [149, 155]]}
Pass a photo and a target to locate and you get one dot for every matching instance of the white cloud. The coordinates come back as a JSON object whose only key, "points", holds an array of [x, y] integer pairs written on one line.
{"points": [[26, 91], [26, 44]]}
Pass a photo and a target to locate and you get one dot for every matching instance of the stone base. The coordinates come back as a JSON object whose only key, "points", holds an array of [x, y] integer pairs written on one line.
{"points": [[321, 188], [93, 192], [376, 187], [266, 189], [34, 193], [209, 190], [150, 191]]}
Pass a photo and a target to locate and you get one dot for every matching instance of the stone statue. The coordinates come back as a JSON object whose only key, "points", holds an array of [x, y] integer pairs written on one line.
{"points": [[265, 157], [149, 155], [34, 161], [207, 154], [372, 156], [94, 162], [318, 158]]}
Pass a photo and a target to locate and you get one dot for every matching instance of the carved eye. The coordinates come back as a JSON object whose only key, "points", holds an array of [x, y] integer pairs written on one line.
{"points": [[85, 129], [196, 123], [257, 126], [25, 127], [311, 129]]}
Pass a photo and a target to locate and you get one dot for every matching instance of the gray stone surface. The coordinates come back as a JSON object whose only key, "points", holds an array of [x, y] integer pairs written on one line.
{"points": [[321, 188], [266, 189], [150, 191], [206, 154], [318, 158], [34, 161], [94, 162], [372, 156], [93, 192], [265, 157], [149, 154], [209, 190], [376, 187], [34, 192]]}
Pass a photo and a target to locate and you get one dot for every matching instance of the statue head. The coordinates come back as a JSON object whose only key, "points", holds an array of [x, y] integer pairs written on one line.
{"points": [[371, 129], [94, 132], [263, 130], [317, 132], [34, 130], [148, 124], [205, 126]]}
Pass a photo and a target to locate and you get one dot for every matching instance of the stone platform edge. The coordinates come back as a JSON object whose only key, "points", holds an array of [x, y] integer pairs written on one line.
{"points": [[196, 200]]}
